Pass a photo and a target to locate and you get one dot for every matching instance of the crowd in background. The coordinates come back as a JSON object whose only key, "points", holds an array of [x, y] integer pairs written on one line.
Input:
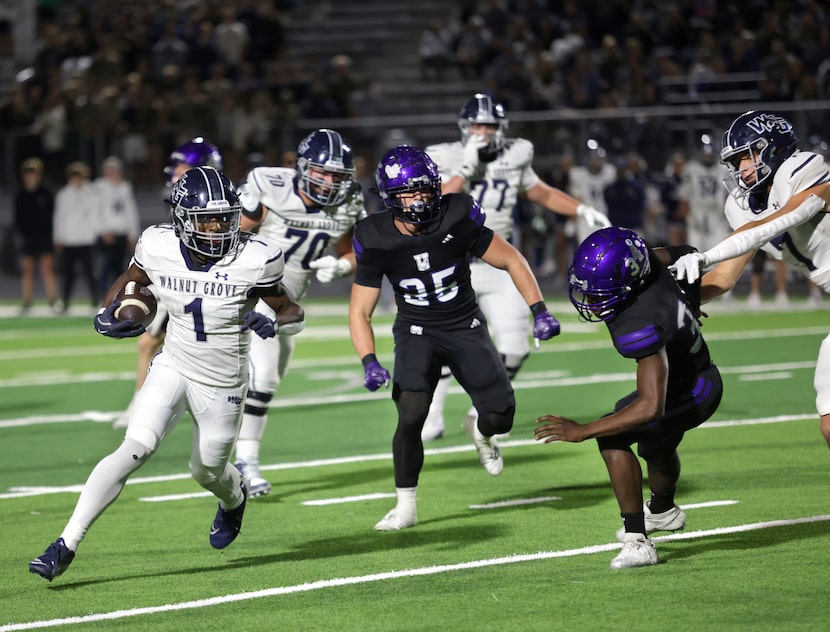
{"points": [[142, 78], [145, 77]]}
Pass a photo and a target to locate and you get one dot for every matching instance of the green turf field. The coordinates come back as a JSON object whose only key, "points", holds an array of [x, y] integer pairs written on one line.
{"points": [[527, 550]]}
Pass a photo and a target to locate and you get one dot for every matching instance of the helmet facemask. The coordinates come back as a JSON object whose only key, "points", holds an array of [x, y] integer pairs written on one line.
{"points": [[482, 109], [326, 167], [206, 212], [406, 171]]}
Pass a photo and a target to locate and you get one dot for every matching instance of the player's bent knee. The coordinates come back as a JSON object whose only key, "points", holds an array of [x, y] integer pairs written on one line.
{"points": [[137, 450], [144, 436], [492, 423]]}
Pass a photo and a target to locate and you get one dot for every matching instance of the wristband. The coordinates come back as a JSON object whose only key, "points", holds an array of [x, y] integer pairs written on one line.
{"points": [[368, 359], [538, 308]]}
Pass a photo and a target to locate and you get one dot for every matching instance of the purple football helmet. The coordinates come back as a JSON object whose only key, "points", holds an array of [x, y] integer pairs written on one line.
{"points": [[770, 140], [200, 197], [607, 267], [484, 110], [407, 170], [324, 150], [195, 153]]}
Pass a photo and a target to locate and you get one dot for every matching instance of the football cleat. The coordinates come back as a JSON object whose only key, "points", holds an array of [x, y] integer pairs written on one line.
{"points": [[637, 550], [228, 522], [257, 485], [489, 453], [396, 520], [672, 520], [53, 561]]}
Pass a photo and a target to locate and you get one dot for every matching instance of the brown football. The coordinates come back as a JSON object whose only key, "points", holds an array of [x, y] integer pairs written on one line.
{"points": [[138, 304]]}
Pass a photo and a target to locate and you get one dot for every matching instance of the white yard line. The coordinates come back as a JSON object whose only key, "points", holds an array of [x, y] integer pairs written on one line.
{"points": [[322, 584]]}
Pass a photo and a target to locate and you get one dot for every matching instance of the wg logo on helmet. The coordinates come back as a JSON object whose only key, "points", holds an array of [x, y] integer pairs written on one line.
{"points": [[768, 123]]}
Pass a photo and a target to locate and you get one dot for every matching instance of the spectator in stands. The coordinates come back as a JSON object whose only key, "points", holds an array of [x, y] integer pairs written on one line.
{"points": [[34, 207], [625, 198], [434, 50], [119, 222], [75, 226]]}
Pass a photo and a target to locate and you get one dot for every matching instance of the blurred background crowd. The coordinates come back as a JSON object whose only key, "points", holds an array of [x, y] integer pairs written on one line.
{"points": [[632, 89]]}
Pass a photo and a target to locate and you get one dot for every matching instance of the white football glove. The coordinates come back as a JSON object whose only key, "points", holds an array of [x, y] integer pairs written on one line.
{"points": [[249, 202], [689, 266], [330, 268], [475, 142], [595, 218]]}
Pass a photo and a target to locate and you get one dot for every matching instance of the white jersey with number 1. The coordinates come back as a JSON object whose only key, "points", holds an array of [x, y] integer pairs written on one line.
{"points": [[206, 303]]}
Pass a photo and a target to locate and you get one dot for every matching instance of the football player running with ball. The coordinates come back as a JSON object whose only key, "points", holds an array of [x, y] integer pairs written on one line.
{"points": [[209, 276], [423, 247], [616, 279], [307, 212], [495, 170], [778, 202], [196, 152]]}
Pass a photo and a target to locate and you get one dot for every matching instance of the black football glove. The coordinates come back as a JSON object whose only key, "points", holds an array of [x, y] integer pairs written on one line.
{"points": [[106, 324]]}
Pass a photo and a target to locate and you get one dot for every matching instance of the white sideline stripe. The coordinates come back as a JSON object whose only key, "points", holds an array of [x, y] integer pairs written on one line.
{"points": [[158, 499], [760, 377], [347, 499], [376, 577], [19, 492], [711, 503], [514, 503], [536, 379]]}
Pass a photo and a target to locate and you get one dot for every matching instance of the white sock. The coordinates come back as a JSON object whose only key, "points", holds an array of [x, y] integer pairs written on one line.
{"points": [[406, 500], [247, 450]]}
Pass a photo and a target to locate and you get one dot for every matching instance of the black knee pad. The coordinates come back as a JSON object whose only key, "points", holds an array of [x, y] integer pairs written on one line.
{"points": [[496, 423]]}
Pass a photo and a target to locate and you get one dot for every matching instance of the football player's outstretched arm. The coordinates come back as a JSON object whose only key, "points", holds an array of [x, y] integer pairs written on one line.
{"points": [[652, 381], [560, 202], [133, 273]]}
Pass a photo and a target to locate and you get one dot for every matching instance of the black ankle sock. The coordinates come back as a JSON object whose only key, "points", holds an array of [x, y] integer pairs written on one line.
{"points": [[634, 522], [660, 503]]}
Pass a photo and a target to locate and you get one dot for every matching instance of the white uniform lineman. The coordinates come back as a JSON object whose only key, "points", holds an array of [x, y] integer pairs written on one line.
{"points": [[304, 235]]}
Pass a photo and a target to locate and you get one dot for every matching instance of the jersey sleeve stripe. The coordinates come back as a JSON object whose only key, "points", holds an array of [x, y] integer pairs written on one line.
{"points": [[802, 165], [476, 214], [637, 340]]}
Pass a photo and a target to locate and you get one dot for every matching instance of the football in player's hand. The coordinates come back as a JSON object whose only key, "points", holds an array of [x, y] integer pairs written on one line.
{"points": [[138, 304]]}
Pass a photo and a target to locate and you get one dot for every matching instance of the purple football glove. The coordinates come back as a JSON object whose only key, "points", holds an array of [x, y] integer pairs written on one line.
{"points": [[545, 326], [106, 324], [260, 324], [376, 375]]}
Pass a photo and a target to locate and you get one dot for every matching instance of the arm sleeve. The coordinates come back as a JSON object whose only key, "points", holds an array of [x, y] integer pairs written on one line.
{"points": [[752, 239]]}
